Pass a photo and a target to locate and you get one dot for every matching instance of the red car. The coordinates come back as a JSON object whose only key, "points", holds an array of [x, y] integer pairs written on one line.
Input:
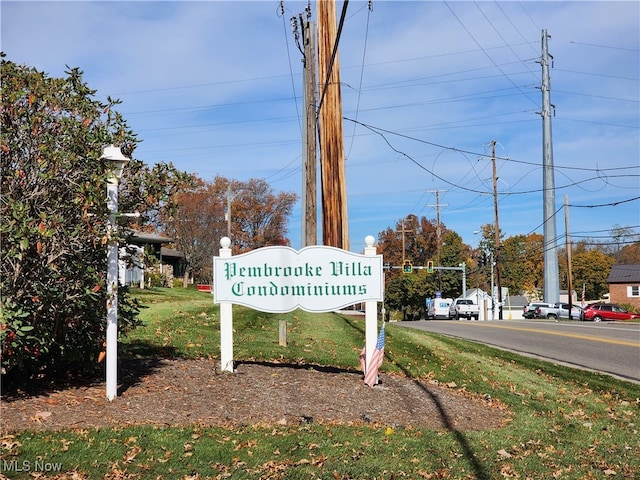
{"points": [[607, 311]]}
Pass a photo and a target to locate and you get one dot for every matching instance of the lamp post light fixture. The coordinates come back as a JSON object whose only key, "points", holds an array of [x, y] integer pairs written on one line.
{"points": [[114, 156]]}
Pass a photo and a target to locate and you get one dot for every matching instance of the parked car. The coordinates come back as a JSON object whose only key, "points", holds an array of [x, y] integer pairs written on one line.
{"points": [[559, 310], [465, 308], [531, 309], [607, 311]]}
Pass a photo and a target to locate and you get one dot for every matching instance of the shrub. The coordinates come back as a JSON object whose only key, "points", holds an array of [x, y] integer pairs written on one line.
{"points": [[54, 215]]}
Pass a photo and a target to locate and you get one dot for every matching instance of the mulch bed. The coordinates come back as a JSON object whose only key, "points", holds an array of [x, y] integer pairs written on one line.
{"points": [[178, 392]]}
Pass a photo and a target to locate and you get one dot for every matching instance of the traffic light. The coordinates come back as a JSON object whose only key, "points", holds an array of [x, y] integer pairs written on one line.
{"points": [[407, 267], [430, 266]]}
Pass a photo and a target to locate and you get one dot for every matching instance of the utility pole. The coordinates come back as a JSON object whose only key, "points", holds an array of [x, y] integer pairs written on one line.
{"points": [[403, 231], [438, 232], [496, 229], [335, 226], [438, 227], [309, 186], [568, 246], [551, 288]]}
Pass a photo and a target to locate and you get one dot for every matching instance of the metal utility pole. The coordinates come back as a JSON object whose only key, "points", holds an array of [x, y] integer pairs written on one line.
{"points": [[551, 287], [496, 229], [335, 226], [568, 243], [309, 187]]}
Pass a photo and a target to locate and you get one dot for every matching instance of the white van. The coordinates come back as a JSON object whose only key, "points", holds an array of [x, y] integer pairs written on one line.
{"points": [[439, 308]]}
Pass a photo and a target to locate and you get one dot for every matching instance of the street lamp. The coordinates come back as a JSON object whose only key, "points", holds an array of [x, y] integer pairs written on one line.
{"points": [[117, 160]]}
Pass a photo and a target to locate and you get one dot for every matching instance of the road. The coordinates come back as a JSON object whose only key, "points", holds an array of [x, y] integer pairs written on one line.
{"points": [[608, 347]]}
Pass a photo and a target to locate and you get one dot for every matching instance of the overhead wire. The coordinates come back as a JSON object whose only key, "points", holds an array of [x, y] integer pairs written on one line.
{"points": [[364, 54], [448, 182], [293, 85], [635, 50], [380, 131], [499, 6], [502, 38], [462, 151], [334, 53], [486, 53]]}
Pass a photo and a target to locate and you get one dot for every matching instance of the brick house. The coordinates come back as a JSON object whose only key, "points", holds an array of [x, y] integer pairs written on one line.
{"points": [[624, 284]]}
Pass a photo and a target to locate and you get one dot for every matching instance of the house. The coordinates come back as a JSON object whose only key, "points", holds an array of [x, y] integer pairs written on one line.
{"points": [[564, 296], [134, 260], [624, 284], [172, 264]]}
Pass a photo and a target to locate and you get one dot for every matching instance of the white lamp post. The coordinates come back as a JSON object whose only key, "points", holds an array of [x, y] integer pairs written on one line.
{"points": [[117, 160]]}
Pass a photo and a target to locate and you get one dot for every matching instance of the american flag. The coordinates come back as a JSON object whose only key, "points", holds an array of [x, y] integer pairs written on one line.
{"points": [[371, 375]]}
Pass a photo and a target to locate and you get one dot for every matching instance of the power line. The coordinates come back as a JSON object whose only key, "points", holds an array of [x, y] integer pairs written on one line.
{"points": [[378, 131], [612, 204], [487, 54], [500, 35], [293, 84], [334, 53], [364, 54], [605, 46]]}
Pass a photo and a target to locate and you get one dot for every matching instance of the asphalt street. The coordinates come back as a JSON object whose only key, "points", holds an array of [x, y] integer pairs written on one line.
{"points": [[608, 347]]}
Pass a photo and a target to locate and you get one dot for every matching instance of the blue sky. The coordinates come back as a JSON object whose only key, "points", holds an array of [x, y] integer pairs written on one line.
{"points": [[215, 87]]}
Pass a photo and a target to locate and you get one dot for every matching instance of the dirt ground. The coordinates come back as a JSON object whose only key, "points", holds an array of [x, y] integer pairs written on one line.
{"points": [[193, 392]]}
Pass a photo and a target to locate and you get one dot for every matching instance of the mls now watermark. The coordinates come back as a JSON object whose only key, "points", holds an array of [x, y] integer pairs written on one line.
{"points": [[29, 466]]}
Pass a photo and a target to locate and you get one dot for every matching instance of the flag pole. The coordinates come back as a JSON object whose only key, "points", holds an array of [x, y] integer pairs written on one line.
{"points": [[370, 312]]}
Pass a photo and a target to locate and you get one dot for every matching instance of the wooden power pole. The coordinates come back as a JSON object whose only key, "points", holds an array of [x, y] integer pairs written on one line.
{"points": [[496, 230], [403, 231], [310, 191], [569, 266], [335, 230]]}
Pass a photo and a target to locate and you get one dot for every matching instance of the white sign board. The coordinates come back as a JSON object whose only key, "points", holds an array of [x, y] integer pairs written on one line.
{"points": [[281, 279]]}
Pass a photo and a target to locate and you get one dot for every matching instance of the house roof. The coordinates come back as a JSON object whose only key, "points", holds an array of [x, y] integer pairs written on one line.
{"points": [[141, 238], [170, 252], [629, 273]]}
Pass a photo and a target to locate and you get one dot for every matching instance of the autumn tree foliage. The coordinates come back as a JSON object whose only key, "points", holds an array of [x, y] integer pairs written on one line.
{"points": [[590, 267], [522, 263], [196, 228], [420, 243], [630, 254], [53, 232], [258, 218], [259, 215]]}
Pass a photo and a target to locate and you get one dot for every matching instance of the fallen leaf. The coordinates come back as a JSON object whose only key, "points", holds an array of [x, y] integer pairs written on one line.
{"points": [[132, 454], [504, 454]]}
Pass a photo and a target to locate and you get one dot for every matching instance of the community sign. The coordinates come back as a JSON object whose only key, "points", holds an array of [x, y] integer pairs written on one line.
{"points": [[281, 279]]}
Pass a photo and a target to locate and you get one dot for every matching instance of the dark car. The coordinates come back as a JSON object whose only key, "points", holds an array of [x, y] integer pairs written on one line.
{"points": [[531, 309], [607, 311]]}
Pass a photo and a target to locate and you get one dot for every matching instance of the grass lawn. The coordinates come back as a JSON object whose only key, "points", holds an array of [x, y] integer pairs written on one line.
{"points": [[563, 423]]}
